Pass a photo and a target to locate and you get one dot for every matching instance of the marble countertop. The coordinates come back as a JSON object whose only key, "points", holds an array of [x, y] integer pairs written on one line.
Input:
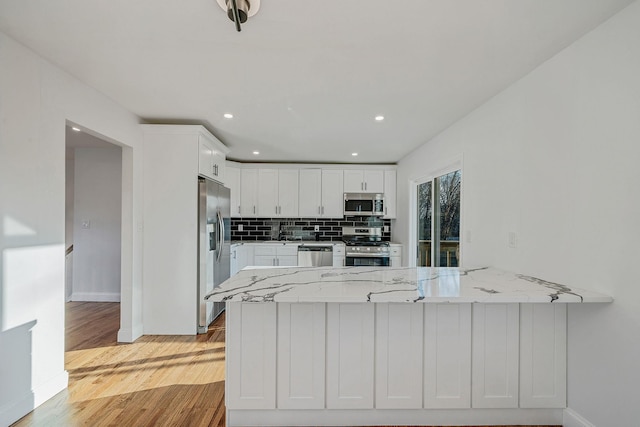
{"points": [[387, 284]]}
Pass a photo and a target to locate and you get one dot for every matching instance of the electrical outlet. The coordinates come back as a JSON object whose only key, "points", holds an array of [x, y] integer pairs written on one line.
{"points": [[86, 224], [316, 228], [385, 228], [513, 239], [240, 227]]}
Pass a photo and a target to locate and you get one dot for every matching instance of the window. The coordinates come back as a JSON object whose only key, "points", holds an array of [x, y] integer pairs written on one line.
{"points": [[438, 221]]}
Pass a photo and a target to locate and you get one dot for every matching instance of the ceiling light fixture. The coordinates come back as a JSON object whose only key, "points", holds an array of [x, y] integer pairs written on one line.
{"points": [[228, 116], [256, 153], [354, 154], [76, 129], [379, 118], [239, 10]]}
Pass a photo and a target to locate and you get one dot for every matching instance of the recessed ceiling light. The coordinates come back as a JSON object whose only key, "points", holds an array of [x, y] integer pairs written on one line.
{"points": [[256, 152], [228, 116], [379, 118], [76, 129], [354, 154]]}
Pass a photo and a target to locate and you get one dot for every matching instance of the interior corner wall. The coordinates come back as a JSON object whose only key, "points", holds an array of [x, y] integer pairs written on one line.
{"points": [[554, 158], [36, 101], [97, 212]]}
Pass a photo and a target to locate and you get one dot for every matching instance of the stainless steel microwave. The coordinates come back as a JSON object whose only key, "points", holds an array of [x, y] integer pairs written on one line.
{"points": [[363, 204]]}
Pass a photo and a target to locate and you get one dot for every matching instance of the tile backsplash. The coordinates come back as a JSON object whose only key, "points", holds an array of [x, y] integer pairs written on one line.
{"points": [[252, 229]]}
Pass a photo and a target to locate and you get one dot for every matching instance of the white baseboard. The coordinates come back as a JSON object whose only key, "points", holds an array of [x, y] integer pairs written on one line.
{"points": [[571, 418], [22, 405], [130, 335], [96, 296]]}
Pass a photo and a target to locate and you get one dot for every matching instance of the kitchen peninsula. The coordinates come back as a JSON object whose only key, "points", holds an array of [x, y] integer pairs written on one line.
{"points": [[367, 345]]}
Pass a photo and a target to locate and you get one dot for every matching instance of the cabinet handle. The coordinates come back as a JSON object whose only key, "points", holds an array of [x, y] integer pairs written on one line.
{"points": [[238, 208], [365, 186], [323, 210], [254, 209], [318, 209]]}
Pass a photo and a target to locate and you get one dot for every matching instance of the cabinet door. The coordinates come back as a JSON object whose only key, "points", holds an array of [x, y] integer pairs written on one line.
{"points": [[219, 166], [267, 192], [350, 337], [373, 181], [447, 356], [264, 255], [233, 261], [248, 192], [233, 183], [205, 158], [353, 181], [399, 336], [332, 193], [495, 355], [251, 355], [301, 355], [288, 193], [543, 355], [390, 194], [310, 193]]}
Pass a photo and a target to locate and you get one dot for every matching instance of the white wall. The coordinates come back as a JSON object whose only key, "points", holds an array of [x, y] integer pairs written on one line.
{"points": [[36, 101], [97, 212], [555, 158]]}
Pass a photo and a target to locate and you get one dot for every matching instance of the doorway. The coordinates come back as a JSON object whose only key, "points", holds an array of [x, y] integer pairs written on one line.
{"points": [[93, 223], [437, 223]]}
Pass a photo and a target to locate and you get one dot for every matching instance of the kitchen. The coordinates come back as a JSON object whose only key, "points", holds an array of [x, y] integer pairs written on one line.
{"points": [[550, 158]]}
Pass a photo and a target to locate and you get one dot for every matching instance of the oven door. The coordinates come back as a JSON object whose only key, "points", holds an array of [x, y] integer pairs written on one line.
{"points": [[367, 261]]}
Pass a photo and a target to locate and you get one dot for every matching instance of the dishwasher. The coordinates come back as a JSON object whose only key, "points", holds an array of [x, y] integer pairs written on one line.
{"points": [[315, 255]]}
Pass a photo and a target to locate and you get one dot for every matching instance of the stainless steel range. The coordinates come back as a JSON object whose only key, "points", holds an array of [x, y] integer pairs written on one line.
{"points": [[364, 247]]}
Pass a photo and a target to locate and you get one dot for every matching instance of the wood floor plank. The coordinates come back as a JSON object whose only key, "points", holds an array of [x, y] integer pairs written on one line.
{"points": [[156, 381]]}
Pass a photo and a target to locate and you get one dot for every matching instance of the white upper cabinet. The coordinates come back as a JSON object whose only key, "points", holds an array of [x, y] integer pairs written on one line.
{"points": [[211, 159], [310, 193], [390, 194], [364, 181], [278, 193], [248, 192], [320, 193], [332, 193], [232, 178]]}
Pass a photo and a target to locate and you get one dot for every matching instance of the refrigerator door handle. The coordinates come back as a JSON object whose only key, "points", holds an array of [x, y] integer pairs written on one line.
{"points": [[221, 237]]}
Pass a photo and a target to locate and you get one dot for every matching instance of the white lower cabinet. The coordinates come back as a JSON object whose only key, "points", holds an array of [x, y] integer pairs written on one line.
{"points": [[447, 356], [543, 355], [398, 356], [265, 254], [370, 357], [251, 356], [350, 346], [496, 334], [301, 355]]}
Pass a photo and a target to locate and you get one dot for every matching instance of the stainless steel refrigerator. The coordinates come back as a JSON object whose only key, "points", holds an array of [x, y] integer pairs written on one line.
{"points": [[214, 246]]}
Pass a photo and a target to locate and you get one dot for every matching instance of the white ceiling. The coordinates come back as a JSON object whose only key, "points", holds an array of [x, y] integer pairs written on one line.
{"points": [[304, 78]]}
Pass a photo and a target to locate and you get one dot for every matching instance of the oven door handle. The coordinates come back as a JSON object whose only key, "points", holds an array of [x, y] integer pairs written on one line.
{"points": [[367, 256]]}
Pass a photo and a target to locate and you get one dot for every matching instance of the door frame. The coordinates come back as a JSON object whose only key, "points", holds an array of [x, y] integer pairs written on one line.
{"points": [[450, 166]]}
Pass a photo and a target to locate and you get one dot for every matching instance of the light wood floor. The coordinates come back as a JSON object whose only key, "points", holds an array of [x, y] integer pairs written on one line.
{"points": [[156, 381]]}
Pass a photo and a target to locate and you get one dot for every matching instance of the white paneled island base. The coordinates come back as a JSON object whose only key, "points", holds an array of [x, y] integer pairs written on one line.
{"points": [[368, 363]]}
